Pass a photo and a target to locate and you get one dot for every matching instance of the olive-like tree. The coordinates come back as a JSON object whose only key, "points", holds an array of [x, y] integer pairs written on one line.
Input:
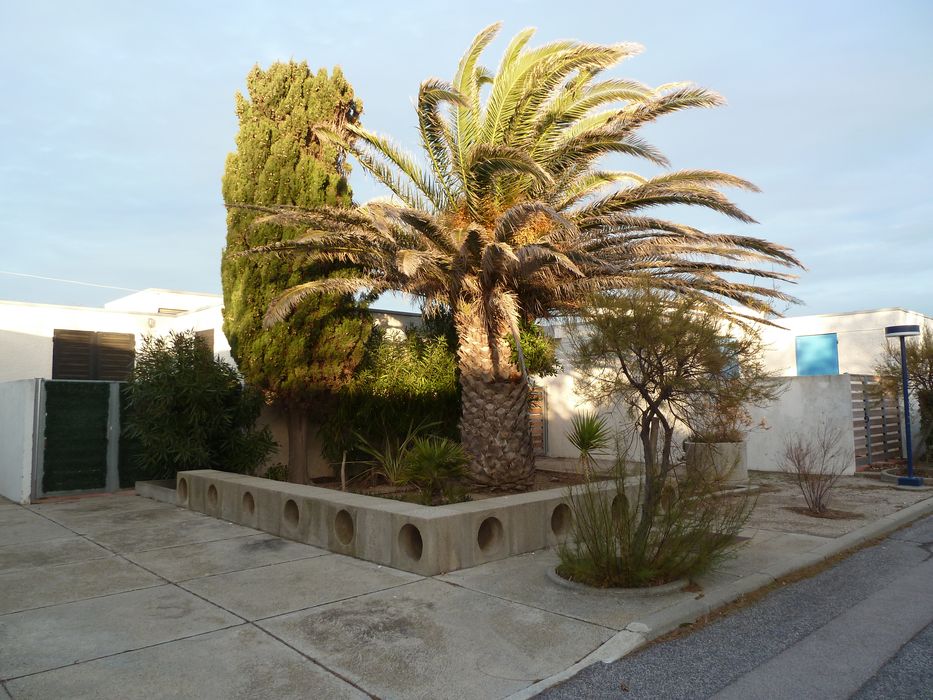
{"points": [[510, 218]]}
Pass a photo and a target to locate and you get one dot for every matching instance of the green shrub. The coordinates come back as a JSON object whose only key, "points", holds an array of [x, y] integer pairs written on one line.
{"points": [[693, 529], [433, 465], [189, 410], [401, 383], [538, 349]]}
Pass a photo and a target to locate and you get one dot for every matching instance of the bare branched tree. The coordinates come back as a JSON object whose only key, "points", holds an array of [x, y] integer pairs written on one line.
{"points": [[816, 462]]}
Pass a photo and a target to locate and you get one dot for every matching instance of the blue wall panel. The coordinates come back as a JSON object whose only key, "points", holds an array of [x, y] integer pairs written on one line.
{"points": [[817, 354]]}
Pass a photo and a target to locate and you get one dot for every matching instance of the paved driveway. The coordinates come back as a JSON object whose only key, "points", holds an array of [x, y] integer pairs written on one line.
{"points": [[124, 597]]}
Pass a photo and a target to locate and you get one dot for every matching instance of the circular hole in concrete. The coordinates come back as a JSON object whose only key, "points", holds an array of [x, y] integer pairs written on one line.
{"points": [[291, 514], [183, 492], [343, 526], [489, 536], [409, 541], [560, 519], [212, 497], [616, 509], [249, 503]]}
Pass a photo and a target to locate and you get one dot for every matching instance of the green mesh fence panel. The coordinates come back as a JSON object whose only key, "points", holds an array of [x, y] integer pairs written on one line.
{"points": [[75, 436]]}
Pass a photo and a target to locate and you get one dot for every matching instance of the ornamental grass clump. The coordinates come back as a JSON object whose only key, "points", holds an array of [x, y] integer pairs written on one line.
{"points": [[690, 529]]}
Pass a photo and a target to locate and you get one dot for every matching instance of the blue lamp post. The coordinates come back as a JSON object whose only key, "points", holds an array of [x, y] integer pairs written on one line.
{"points": [[903, 332]]}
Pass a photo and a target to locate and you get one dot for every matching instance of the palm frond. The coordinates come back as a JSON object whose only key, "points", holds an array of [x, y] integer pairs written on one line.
{"points": [[286, 302]]}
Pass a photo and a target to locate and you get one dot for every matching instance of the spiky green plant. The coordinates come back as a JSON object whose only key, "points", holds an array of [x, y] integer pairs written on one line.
{"points": [[589, 433], [390, 460], [510, 217]]}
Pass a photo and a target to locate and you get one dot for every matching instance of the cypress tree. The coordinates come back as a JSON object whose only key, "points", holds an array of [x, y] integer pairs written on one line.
{"points": [[278, 160]]}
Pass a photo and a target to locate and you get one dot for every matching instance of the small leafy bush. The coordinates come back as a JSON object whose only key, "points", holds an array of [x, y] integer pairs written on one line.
{"points": [[189, 410]]}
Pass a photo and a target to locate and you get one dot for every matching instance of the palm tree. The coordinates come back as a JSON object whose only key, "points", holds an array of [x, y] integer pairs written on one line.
{"points": [[509, 218]]}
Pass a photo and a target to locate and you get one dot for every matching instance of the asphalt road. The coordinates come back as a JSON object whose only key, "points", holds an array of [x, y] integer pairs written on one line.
{"points": [[861, 629]]}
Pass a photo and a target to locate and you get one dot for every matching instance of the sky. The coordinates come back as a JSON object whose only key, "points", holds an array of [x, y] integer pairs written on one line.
{"points": [[116, 119]]}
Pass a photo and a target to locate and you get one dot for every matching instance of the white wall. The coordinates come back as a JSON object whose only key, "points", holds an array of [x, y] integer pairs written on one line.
{"points": [[804, 403], [26, 332], [17, 415], [860, 335]]}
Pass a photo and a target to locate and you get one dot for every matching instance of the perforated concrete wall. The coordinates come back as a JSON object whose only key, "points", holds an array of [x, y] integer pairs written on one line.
{"points": [[422, 539]]}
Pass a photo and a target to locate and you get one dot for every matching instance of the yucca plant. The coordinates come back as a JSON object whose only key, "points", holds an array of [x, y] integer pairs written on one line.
{"points": [[509, 217], [589, 433]]}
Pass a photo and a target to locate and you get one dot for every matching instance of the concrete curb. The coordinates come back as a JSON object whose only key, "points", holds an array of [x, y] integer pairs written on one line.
{"points": [[689, 611], [163, 491]]}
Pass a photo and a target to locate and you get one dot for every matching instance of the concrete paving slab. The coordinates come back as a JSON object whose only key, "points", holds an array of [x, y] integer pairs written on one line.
{"points": [[50, 585], [758, 554], [431, 639], [281, 588], [98, 503], [236, 663], [139, 537], [61, 635], [92, 523], [189, 561], [16, 516], [30, 529], [523, 579], [3, 691], [60, 551]]}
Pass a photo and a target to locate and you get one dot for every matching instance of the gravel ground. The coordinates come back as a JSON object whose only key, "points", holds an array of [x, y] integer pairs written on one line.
{"points": [[866, 497], [700, 664]]}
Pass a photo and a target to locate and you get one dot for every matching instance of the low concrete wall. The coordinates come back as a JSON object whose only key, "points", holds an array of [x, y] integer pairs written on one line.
{"points": [[804, 403], [17, 428], [422, 539]]}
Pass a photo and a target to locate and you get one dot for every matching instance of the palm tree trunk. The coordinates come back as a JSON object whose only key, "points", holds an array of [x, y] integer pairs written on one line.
{"points": [[494, 425]]}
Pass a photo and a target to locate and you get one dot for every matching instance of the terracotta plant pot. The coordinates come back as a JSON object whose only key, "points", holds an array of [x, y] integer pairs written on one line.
{"points": [[727, 460]]}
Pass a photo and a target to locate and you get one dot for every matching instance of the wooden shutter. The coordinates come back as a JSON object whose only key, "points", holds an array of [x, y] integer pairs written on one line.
{"points": [[72, 353], [208, 337], [89, 355], [115, 355]]}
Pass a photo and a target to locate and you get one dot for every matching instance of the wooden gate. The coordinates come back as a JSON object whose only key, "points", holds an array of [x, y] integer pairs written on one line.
{"points": [[876, 422], [537, 413]]}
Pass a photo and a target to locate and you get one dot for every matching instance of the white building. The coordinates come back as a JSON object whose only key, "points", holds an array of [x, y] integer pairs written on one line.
{"points": [[819, 355], [50, 341]]}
